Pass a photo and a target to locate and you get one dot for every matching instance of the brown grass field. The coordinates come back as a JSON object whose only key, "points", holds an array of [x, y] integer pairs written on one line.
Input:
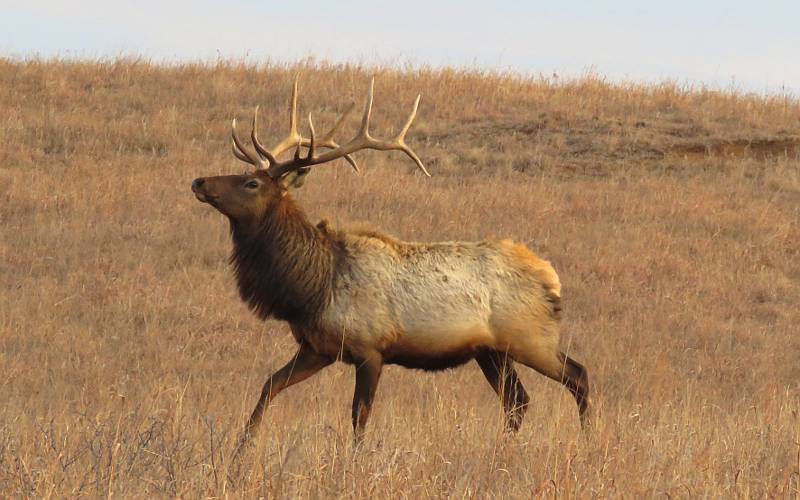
{"points": [[129, 364]]}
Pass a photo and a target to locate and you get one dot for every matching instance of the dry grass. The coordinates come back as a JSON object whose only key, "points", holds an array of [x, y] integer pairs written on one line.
{"points": [[129, 363]]}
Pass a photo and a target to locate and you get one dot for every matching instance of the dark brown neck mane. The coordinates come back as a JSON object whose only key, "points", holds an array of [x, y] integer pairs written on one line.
{"points": [[284, 265]]}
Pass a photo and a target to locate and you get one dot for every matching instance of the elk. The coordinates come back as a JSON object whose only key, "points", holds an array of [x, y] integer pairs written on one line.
{"points": [[370, 300]]}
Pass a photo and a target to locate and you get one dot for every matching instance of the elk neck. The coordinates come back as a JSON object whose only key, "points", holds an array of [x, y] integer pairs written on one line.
{"points": [[284, 265]]}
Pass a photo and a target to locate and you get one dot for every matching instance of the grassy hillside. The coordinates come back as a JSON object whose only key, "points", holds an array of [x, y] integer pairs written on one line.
{"points": [[129, 364]]}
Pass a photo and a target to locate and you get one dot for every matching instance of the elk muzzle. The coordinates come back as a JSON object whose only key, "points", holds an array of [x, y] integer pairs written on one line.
{"points": [[198, 188]]}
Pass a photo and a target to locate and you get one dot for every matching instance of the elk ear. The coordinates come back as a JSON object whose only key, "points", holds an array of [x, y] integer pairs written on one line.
{"points": [[295, 179]]}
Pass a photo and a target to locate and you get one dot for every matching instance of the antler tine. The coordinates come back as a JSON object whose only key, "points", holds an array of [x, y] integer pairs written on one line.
{"points": [[328, 137], [240, 151], [310, 154], [402, 135], [352, 163], [294, 138], [329, 142], [364, 132], [364, 140], [297, 153], [238, 154], [400, 139], [263, 152], [405, 149]]}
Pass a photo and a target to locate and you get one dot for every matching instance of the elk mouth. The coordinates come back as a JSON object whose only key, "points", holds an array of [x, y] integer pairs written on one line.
{"points": [[207, 198], [200, 194]]}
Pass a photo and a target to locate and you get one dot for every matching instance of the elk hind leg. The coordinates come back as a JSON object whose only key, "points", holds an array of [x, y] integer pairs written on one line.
{"points": [[499, 371], [552, 363]]}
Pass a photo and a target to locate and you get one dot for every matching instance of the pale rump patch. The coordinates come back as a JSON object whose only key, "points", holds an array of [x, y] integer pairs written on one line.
{"points": [[523, 255]]}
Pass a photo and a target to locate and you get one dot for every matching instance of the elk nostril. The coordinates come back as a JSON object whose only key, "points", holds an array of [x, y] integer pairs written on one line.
{"points": [[197, 183]]}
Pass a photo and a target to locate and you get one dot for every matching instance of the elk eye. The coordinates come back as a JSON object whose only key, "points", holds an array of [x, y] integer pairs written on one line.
{"points": [[251, 184]]}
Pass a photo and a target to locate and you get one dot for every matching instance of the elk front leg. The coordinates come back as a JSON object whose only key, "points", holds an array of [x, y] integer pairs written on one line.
{"points": [[303, 364], [368, 372]]}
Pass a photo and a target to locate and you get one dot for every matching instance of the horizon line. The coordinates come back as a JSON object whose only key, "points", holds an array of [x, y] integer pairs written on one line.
{"points": [[555, 78]]}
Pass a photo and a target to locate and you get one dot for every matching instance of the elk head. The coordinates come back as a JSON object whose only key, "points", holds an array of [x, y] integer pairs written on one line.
{"points": [[248, 197]]}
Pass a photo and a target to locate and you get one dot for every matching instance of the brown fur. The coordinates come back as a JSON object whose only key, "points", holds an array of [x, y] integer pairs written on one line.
{"points": [[284, 266]]}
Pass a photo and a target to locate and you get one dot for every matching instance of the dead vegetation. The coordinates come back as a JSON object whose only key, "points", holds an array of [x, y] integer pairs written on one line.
{"points": [[671, 214]]}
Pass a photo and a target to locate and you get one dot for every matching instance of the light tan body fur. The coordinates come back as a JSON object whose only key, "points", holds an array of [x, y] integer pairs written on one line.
{"points": [[438, 300]]}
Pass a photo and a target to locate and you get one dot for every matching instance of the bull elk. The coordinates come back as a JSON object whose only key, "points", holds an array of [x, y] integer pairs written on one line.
{"points": [[368, 299]]}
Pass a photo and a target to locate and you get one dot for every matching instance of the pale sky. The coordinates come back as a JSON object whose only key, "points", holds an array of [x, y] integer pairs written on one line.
{"points": [[752, 46]]}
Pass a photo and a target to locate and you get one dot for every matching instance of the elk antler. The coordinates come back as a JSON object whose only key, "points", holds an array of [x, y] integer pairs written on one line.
{"points": [[267, 158], [294, 138]]}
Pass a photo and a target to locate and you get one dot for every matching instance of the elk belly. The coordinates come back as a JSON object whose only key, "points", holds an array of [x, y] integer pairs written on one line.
{"points": [[437, 347]]}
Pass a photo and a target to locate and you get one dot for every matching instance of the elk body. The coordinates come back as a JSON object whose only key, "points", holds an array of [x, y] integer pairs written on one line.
{"points": [[369, 300]]}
